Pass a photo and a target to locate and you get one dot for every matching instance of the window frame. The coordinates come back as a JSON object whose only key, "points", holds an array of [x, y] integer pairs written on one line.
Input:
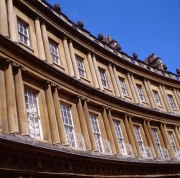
{"points": [[172, 141], [140, 92], [171, 101], [156, 97], [103, 78], [25, 26], [38, 115], [54, 46], [123, 86], [81, 67]]}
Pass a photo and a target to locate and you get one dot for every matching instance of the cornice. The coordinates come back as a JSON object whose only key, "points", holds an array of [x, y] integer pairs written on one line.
{"points": [[24, 58]]}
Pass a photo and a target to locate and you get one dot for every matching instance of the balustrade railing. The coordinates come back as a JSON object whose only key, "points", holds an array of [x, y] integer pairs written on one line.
{"points": [[107, 146], [148, 152], [165, 153], [129, 151], [177, 155]]}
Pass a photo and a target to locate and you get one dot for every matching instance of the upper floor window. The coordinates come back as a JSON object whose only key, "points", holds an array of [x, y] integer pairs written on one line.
{"points": [[157, 142], [123, 86], [97, 134], [54, 52], [119, 136], [33, 113], [23, 32], [171, 101], [81, 68], [156, 97], [139, 140], [103, 78], [68, 125], [173, 144], [140, 91]]}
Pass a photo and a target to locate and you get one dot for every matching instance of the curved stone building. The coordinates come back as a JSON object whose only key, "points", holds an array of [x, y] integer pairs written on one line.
{"points": [[74, 105]]}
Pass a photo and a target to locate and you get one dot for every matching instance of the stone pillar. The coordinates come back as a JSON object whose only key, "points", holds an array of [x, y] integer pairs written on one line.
{"points": [[113, 81], [91, 66], [149, 139], [152, 138], [3, 18], [89, 127], [164, 98], [12, 28], [59, 116], [176, 97], [68, 58], [130, 136], [167, 136], [73, 59], [166, 140], [108, 131], [132, 88], [117, 82], [83, 125], [20, 102], [135, 89], [10, 99], [177, 134], [46, 43], [149, 93], [134, 136], [113, 132], [39, 39], [97, 72], [178, 93], [51, 114]]}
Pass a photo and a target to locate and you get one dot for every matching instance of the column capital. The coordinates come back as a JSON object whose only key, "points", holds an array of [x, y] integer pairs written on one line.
{"points": [[113, 66], [44, 21], [109, 64], [163, 123]]}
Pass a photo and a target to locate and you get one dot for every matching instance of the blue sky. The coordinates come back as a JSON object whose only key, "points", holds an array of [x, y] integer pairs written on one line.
{"points": [[141, 26]]}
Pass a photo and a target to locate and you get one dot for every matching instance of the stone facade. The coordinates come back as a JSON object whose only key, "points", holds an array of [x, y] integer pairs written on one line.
{"points": [[71, 105]]}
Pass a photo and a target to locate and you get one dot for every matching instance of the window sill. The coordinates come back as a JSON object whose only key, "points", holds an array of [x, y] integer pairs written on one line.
{"points": [[127, 96], [145, 102], [107, 89], [26, 46], [175, 109], [58, 65], [85, 79], [160, 106]]}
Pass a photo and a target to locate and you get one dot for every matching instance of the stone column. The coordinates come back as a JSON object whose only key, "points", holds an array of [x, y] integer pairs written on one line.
{"points": [[135, 89], [97, 72], [178, 93], [130, 136], [68, 57], [132, 88], [83, 124], [149, 139], [3, 18], [149, 93], [164, 98], [117, 82], [89, 127], [108, 131], [177, 134], [46, 43], [12, 28], [59, 116], [51, 114], [10, 99], [39, 39], [91, 66], [20, 102], [113, 132], [176, 97], [166, 140], [152, 138], [134, 136], [113, 81], [73, 59], [167, 136], [1, 125]]}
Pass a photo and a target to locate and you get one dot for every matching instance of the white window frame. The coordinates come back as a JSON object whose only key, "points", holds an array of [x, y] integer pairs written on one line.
{"points": [[171, 139], [29, 112], [140, 91], [171, 101], [96, 132], [157, 142], [23, 32], [68, 126], [119, 135], [81, 67], [156, 97], [123, 87], [139, 139], [53, 47], [103, 78]]}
